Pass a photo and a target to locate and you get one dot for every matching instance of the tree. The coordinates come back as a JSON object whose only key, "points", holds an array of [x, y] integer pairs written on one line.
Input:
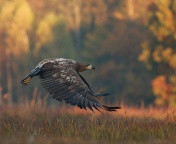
{"points": [[159, 53], [16, 21]]}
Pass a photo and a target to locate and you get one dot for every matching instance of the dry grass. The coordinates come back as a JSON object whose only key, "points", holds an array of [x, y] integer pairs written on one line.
{"points": [[73, 125]]}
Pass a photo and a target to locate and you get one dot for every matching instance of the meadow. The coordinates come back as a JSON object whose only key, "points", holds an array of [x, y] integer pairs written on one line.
{"points": [[52, 125]]}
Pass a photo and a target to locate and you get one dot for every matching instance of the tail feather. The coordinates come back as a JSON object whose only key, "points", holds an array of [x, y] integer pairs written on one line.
{"points": [[33, 73], [26, 80]]}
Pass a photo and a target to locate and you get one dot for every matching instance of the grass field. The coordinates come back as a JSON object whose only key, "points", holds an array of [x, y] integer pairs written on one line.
{"points": [[20, 125]]}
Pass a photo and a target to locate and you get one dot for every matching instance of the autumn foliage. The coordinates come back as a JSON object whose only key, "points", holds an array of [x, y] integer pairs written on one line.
{"points": [[131, 43], [162, 90]]}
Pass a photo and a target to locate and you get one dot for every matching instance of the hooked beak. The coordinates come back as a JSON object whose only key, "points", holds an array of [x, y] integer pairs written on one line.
{"points": [[90, 67]]}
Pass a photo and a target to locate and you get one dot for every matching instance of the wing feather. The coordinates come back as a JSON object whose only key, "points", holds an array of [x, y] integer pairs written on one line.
{"points": [[75, 101], [95, 106], [60, 95], [64, 83], [67, 97], [58, 89], [90, 105], [71, 98]]}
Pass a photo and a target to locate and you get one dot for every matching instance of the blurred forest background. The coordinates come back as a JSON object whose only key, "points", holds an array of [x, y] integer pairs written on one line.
{"points": [[132, 44]]}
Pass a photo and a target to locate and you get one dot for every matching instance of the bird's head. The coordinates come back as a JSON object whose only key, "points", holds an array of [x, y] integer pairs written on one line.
{"points": [[83, 67]]}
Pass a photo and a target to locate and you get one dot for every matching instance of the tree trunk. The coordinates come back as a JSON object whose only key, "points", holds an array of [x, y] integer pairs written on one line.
{"points": [[77, 28], [9, 77], [0, 95]]}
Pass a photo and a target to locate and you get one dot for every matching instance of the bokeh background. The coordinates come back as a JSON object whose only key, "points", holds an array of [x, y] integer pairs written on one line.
{"points": [[132, 44]]}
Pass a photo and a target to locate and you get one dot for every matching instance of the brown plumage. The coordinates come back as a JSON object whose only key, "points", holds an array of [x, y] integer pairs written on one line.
{"points": [[62, 79]]}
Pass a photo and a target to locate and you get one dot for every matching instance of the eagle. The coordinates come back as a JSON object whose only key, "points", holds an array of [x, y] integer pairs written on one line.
{"points": [[62, 79]]}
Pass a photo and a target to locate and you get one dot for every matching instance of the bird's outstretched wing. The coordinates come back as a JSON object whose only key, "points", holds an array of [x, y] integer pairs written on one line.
{"points": [[90, 87], [66, 84]]}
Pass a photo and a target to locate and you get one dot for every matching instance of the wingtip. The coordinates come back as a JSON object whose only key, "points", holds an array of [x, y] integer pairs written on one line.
{"points": [[106, 94], [101, 94], [108, 108]]}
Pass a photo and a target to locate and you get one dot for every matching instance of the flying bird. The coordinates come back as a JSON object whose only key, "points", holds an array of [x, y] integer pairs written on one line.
{"points": [[62, 79]]}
